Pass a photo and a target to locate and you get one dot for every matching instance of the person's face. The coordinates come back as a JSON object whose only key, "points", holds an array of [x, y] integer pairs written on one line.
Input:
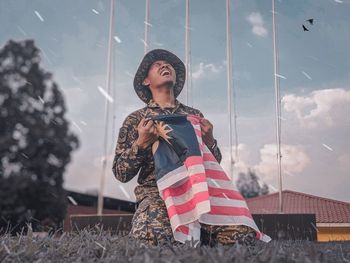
{"points": [[160, 73]]}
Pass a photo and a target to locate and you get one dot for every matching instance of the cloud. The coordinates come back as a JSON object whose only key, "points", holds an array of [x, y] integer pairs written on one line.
{"points": [[344, 162], [204, 70], [294, 160], [255, 19], [240, 165], [327, 107]]}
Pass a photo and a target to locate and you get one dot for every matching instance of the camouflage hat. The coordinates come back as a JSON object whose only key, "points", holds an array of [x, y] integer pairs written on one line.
{"points": [[158, 54]]}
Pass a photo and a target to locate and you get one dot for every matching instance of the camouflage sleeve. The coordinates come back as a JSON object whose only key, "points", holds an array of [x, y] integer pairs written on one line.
{"points": [[217, 153], [128, 157], [216, 150]]}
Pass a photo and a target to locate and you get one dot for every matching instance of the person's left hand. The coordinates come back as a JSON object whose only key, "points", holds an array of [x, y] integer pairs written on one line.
{"points": [[207, 132]]}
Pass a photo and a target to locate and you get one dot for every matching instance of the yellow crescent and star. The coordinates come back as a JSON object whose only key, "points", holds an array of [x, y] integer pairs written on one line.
{"points": [[163, 130]]}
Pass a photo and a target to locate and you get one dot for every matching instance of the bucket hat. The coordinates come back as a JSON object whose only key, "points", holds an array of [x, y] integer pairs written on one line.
{"points": [[143, 91]]}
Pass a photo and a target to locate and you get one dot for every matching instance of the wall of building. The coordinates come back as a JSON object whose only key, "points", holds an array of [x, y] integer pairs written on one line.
{"points": [[333, 233], [85, 210]]}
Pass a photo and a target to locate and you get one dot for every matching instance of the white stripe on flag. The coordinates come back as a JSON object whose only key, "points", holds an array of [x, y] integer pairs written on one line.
{"points": [[196, 169], [216, 183], [206, 149], [228, 220], [265, 238], [181, 237], [172, 177], [212, 165], [195, 231], [184, 198], [199, 139], [194, 214], [197, 128], [217, 201], [202, 187]]}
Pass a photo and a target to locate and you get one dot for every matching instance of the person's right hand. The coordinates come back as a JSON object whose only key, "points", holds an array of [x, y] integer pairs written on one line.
{"points": [[147, 133]]}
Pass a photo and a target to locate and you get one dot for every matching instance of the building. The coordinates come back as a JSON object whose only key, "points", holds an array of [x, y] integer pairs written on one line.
{"points": [[332, 216], [86, 204]]}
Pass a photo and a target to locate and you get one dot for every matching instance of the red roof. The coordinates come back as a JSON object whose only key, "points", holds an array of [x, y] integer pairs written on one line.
{"points": [[326, 210]]}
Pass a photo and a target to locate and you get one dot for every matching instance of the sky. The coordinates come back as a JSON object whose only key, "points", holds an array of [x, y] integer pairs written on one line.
{"points": [[314, 74]]}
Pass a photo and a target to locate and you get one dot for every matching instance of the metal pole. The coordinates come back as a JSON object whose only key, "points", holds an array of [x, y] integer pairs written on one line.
{"points": [[188, 56], [108, 81], [278, 106], [234, 100], [146, 44], [229, 80]]}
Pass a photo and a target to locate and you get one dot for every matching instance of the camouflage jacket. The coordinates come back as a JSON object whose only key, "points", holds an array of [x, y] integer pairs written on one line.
{"points": [[130, 161]]}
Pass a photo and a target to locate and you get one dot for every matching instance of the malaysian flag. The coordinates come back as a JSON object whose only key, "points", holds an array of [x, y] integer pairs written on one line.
{"points": [[192, 183]]}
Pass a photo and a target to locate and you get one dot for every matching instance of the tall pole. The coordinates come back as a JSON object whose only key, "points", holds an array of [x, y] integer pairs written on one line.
{"points": [[234, 102], [147, 24], [278, 104], [229, 80], [188, 57], [108, 82]]}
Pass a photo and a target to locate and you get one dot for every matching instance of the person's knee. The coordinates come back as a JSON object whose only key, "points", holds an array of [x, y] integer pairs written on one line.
{"points": [[151, 225], [241, 234]]}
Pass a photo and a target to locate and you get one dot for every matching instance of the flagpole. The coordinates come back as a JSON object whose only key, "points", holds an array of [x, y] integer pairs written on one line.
{"points": [[234, 98], [188, 56], [277, 104], [229, 80], [106, 120], [146, 44]]}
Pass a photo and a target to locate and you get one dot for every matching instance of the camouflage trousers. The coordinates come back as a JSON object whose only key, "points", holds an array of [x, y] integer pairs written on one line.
{"points": [[151, 225]]}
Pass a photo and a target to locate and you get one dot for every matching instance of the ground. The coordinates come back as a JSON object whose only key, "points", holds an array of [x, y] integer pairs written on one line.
{"points": [[102, 246]]}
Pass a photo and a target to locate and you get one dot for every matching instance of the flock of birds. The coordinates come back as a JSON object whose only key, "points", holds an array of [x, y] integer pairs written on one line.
{"points": [[311, 21]]}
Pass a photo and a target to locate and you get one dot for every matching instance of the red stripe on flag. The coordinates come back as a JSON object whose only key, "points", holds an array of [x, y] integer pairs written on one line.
{"points": [[258, 235], [225, 193], [188, 206], [209, 157], [198, 132], [201, 147], [193, 118], [183, 229], [181, 189], [193, 160], [230, 211]]}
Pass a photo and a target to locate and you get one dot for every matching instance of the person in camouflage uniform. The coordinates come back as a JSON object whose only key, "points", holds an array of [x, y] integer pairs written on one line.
{"points": [[158, 81]]}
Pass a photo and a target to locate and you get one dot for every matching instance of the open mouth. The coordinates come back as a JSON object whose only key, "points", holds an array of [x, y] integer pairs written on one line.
{"points": [[165, 73]]}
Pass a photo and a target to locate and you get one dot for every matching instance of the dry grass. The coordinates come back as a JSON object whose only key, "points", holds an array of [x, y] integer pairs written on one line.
{"points": [[102, 246]]}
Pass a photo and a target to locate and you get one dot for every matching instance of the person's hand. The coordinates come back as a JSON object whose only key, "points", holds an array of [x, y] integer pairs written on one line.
{"points": [[207, 132], [147, 133]]}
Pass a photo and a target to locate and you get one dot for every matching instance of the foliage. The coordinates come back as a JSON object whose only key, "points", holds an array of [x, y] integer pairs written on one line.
{"points": [[102, 246], [248, 185], [35, 141]]}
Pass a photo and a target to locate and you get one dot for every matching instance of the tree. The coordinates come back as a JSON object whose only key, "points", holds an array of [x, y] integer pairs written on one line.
{"points": [[248, 185], [35, 141]]}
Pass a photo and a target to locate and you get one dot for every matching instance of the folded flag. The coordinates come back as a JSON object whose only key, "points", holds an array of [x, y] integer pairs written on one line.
{"points": [[192, 183]]}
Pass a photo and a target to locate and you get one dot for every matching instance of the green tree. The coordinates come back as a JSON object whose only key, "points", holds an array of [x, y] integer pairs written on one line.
{"points": [[248, 185], [35, 140]]}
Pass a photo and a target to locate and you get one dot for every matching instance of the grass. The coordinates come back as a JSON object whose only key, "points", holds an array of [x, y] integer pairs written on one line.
{"points": [[96, 245]]}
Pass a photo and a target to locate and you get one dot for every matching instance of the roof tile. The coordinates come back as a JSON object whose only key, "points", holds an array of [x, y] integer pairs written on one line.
{"points": [[326, 210]]}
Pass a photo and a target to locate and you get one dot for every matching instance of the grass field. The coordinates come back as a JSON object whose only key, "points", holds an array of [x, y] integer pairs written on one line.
{"points": [[102, 246]]}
